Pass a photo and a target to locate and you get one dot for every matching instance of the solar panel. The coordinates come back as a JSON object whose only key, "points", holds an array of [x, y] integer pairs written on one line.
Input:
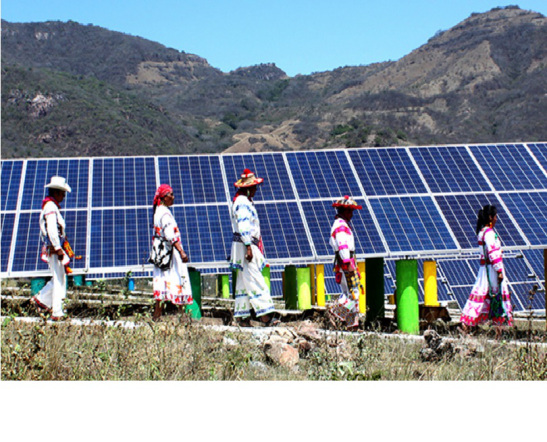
{"points": [[120, 237], [520, 296], [270, 166], [412, 223], [461, 294], [283, 231], [510, 167], [540, 152], [529, 211], [417, 201], [123, 182], [206, 232], [449, 169], [39, 173], [10, 180], [7, 220], [535, 259], [461, 213], [320, 216], [387, 172], [459, 271], [334, 181], [194, 179]]}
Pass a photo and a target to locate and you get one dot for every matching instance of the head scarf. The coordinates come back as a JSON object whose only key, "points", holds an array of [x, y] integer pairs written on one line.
{"points": [[163, 190]]}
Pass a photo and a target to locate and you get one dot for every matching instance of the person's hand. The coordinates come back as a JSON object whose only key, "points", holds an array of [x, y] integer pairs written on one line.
{"points": [[60, 254], [500, 276], [249, 254], [184, 256]]}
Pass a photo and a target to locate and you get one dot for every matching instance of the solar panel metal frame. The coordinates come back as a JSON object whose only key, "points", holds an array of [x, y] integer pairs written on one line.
{"points": [[314, 258]]}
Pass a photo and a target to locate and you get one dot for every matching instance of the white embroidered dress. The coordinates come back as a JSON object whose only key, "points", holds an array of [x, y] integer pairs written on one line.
{"points": [[485, 303], [172, 284], [52, 232], [251, 288], [342, 242]]}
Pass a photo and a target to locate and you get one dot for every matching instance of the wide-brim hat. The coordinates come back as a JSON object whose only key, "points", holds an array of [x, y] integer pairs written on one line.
{"points": [[347, 202], [248, 179], [58, 182]]}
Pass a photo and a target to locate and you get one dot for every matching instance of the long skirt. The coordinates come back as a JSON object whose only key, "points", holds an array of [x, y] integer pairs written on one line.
{"points": [[347, 306], [173, 284], [486, 302], [54, 292], [251, 288]]}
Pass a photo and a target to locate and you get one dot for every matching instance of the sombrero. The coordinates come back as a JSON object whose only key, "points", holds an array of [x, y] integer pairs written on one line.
{"points": [[347, 202], [248, 179], [58, 182]]}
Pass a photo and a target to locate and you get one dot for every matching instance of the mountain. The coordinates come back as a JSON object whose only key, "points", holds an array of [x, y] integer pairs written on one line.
{"points": [[70, 89]]}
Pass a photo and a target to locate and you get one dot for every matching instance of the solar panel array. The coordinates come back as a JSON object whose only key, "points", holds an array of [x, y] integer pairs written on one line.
{"points": [[417, 202]]}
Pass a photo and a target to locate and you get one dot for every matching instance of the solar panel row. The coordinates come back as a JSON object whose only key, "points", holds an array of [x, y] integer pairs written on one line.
{"points": [[415, 200]]}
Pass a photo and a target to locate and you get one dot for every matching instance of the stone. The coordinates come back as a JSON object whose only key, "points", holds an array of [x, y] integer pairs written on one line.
{"points": [[281, 353]]}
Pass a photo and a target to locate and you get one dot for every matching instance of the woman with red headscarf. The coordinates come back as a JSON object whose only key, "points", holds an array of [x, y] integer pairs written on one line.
{"points": [[172, 281]]}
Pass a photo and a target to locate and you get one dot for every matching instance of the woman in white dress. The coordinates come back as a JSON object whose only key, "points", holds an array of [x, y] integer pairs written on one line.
{"points": [[172, 283], [342, 240], [247, 256], [490, 298]]}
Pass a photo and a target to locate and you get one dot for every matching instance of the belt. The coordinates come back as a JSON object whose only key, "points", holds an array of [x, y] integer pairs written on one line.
{"points": [[237, 238]]}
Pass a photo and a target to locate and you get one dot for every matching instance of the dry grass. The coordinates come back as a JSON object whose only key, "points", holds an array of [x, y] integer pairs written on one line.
{"points": [[177, 349]]}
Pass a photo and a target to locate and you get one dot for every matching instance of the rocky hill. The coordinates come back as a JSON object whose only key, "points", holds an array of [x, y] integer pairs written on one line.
{"points": [[70, 89]]}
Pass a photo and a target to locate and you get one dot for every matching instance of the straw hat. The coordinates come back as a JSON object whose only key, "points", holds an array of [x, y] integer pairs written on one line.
{"points": [[347, 202], [58, 182], [248, 179]]}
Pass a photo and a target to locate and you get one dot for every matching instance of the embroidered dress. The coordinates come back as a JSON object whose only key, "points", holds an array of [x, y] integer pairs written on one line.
{"points": [[251, 288], [52, 233], [489, 300], [343, 244], [172, 284]]}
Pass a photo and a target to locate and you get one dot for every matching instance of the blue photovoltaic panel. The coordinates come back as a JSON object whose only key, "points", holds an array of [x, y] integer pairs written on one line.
{"points": [[449, 169], [123, 182], [271, 167], [194, 179], [529, 210], [323, 174], [39, 173], [540, 152], [387, 172], [461, 213], [283, 231], [517, 270], [461, 294], [206, 232], [510, 167], [11, 182], [320, 217], [536, 259], [120, 237], [520, 296], [412, 224], [28, 245], [459, 271], [7, 220]]}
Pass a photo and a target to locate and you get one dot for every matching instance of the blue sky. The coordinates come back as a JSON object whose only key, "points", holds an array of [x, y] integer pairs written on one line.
{"points": [[299, 36]]}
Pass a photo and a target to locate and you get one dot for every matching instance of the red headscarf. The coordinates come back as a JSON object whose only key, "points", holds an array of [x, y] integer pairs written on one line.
{"points": [[163, 190]]}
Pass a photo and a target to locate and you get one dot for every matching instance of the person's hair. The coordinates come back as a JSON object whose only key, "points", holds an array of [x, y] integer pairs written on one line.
{"points": [[485, 216]]}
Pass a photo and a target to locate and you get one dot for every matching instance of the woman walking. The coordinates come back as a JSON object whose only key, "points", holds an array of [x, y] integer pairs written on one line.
{"points": [[52, 232], [490, 298], [171, 279], [345, 269], [247, 256]]}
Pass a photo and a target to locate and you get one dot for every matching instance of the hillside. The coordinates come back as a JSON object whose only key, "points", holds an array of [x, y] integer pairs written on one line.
{"points": [[484, 80]]}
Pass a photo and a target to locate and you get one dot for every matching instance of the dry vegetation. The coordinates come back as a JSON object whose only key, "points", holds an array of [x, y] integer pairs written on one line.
{"points": [[178, 349]]}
